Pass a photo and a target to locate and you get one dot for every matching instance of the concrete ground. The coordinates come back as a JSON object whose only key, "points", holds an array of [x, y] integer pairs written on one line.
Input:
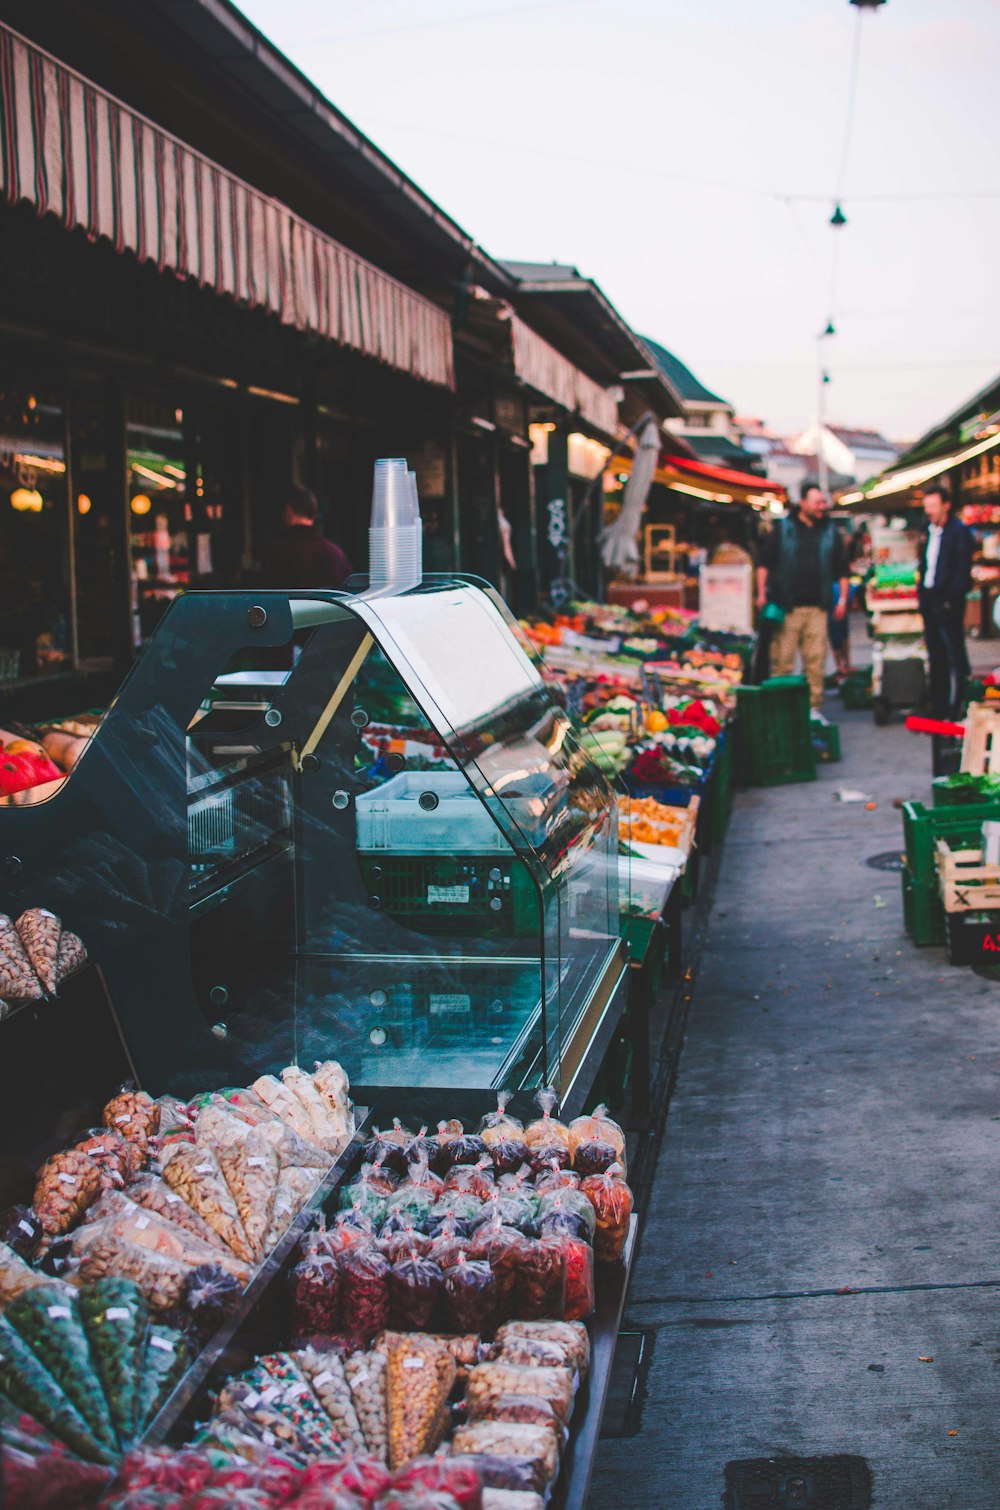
{"points": [[819, 1269]]}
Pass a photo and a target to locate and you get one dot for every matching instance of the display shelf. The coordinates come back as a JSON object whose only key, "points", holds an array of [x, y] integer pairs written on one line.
{"points": [[183, 1397], [585, 1429]]}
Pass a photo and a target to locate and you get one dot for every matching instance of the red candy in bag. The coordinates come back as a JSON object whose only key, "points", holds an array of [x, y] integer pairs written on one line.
{"points": [[470, 1296], [456, 1476], [415, 1288], [364, 1291], [314, 1285]]}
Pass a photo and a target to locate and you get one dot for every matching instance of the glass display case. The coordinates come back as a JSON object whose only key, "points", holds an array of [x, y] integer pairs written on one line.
{"points": [[323, 825]]}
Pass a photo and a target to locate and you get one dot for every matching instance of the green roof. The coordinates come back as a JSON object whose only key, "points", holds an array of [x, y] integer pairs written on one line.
{"points": [[681, 377]]}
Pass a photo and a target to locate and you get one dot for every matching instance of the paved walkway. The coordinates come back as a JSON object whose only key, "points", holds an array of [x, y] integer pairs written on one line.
{"points": [[825, 1209]]}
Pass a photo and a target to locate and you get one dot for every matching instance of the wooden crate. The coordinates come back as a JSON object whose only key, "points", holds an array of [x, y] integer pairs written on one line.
{"points": [[981, 745], [967, 883]]}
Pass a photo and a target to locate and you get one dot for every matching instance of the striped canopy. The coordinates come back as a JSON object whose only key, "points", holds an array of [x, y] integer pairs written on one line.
{"points": [[74, 151]]}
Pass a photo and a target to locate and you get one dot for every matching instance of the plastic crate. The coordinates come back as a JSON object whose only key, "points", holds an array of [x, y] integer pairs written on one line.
{"points": [[826, 741], [427, 812], [973, 938], [722, 790], [923, 912], [856, 690], [775, 732], [966, 794], [460, 893]]}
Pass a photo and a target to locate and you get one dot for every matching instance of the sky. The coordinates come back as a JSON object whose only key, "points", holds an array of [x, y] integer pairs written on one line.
{"points": [[686, 155]]}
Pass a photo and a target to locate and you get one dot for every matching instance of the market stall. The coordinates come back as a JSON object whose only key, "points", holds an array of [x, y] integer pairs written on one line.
{"points": [[355, 832]]}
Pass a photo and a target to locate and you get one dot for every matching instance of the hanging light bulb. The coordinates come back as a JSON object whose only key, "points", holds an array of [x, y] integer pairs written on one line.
{"points": [[838, 218], [26, 501], [141, 504]]}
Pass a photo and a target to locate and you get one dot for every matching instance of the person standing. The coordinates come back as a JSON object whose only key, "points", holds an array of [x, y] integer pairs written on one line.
{"points": [[300, 555], [944, 581], [802, 560]]}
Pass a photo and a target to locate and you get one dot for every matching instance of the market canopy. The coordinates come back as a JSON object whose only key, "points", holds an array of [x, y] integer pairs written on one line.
{"points": [[890, 483], [74, 151], [717, 484]]}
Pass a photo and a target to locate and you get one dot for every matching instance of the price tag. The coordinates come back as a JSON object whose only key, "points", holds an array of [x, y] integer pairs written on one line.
{"points": [[118, 1313], [413, 1363], [203, 1169], [252, 1399], [295, 1390], [271, 1393], [66, 1179], [172, 1197], [141, 1222], [163, 1343], [269, 1438], [256, 1162], [361, 1376], [120, 1121], [324, 1378], [59, 1312], [26, 1227]]}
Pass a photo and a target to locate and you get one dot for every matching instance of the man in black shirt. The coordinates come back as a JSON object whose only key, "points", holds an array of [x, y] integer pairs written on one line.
{"points": [[801, 560]]}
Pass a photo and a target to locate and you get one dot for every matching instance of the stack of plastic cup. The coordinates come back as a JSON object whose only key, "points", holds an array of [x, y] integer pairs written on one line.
{"points": [[395, 544]]}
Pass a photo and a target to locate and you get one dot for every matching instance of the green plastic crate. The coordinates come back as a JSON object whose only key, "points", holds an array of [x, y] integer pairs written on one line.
{"points": [[856, 690], [923, 912], [722, 794], [970, 792], [775, 732]]}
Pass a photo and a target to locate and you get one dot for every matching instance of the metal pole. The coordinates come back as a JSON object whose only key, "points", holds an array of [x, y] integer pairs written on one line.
{"points": [[824, 471]]}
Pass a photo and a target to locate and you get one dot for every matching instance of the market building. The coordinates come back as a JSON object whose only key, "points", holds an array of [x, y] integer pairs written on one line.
{"points": [[214, 290]]}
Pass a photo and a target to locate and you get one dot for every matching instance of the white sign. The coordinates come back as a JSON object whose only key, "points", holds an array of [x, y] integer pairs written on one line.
{"points": [[726, 598]]}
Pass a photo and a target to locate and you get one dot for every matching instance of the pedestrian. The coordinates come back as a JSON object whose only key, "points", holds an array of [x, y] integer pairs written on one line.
{"points": [[803, 560], [300, 555], [944, 581], [838, 631]]}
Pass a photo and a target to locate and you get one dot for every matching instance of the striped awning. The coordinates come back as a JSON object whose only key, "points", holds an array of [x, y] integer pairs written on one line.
{"points": [[546, 370], [74, 151]]}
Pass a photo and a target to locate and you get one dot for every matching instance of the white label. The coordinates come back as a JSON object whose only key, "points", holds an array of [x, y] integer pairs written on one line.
{"points": [[163, 1343], [361, 1376], [59, 1312], [252, 1399], [24, 1226], [256, 1162], [172, 1197], [269, 1438], [295, 1390], [413, 1363], [203, 1169], [447, 893], [66, 1179], [270, 1393], [449, 1006], [324, 1378], [118, 1313], [121, 1121]]}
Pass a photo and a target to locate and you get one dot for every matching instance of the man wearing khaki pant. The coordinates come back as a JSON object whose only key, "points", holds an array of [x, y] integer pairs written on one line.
{"points": [[801, 559]]}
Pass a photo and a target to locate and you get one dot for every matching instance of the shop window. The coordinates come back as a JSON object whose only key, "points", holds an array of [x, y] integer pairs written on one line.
{"points": [[35, 597], [158, 498]]}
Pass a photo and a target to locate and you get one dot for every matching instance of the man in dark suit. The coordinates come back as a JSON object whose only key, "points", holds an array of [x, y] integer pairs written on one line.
{"points": [[945, 579]]}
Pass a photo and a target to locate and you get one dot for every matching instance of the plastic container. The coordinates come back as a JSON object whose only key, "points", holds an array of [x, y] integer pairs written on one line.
{"points": [[775, 732]]}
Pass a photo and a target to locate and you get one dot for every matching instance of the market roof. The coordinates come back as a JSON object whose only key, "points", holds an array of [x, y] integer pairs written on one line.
{"points": [[957, 427], [573, 312], [721, 449], [245, 105], [682, 378], [971, 429]]}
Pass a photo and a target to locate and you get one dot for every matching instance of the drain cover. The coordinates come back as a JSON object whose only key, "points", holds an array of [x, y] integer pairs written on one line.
{"points": [[892, 859], [838, 1483]]}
